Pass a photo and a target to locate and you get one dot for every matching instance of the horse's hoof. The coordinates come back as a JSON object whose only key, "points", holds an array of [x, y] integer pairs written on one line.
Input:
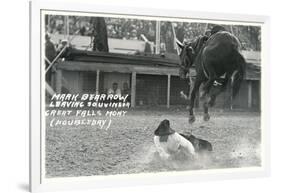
{"points": [[191, 119], [206, 117]]}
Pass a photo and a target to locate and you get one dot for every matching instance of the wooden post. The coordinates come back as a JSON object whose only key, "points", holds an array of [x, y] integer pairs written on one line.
{"points": [[58, 81], [168, 90], [206, 27], [250, 94], [66, 28], [133, 89], [259, 91], [97, 81], [157, 41], [175, 39], [49, 23]]}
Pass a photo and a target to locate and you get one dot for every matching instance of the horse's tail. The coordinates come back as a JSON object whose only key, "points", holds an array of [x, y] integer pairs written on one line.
{"points": [[238, 75]]}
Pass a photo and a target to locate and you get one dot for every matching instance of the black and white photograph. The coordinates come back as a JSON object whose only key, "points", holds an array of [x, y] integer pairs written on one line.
{"points": [[129, 94], [140, 96]]}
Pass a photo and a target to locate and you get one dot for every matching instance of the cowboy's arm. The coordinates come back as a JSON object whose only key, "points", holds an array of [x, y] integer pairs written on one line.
{"points": [[185, 143], [160, 149]]}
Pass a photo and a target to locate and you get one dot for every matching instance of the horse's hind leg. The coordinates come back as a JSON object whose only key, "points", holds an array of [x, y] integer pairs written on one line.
{"points": [[208, 102], [211, 78], [211, 98], [206, 89], [206, 116], [194, 90]]}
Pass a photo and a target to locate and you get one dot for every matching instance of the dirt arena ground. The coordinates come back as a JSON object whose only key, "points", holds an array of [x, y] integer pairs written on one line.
{"points": [[127, 146]]}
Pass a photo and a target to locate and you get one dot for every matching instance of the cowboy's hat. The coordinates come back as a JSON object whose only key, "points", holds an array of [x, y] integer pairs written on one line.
{"points": [[164, 129]]}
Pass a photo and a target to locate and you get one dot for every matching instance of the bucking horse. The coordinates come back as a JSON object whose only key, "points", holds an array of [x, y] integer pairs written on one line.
{"points": [[218, 63]]}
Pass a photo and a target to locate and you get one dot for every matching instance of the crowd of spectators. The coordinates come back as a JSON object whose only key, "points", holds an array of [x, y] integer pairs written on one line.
{"points": [[132, 29]]}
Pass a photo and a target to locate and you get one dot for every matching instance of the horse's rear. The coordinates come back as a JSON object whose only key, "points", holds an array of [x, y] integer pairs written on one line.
{"points": [[222, 53]]}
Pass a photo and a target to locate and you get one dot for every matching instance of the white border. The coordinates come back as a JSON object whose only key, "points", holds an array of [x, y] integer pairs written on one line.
{"points": [[37, 183]]}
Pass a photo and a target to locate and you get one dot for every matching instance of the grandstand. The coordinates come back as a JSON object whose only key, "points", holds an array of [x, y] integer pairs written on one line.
{"points": [[132, 29]]}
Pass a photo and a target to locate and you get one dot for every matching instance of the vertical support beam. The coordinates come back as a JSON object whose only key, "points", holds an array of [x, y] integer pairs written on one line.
{"points": [[66, 29], [133, 89], [259, 91], [168, 90], [231, 29], [250, 90], [206, 27], [157, 41], [49, 23], [58, 81], [175, 39], [98, 82]]}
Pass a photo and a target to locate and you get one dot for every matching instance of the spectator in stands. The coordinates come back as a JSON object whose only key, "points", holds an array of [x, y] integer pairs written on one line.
{"points": [[134, 35], [64, 47], [151, 32], [50, 51], [126, 91], [50, 54], [114, 90], [61, 45], [126, 36], [83, 30]]}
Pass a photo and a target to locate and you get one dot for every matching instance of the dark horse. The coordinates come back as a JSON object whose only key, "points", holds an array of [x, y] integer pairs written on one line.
{"points": [[213, 57]]}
